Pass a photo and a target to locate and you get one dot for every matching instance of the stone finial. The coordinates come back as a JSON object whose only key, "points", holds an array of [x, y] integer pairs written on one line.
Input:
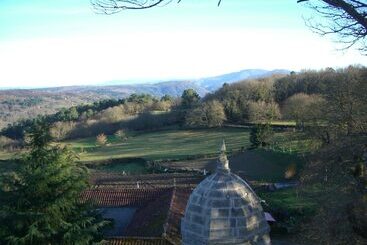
{"points": [[215, 203], [223, 147], [223, 163]]}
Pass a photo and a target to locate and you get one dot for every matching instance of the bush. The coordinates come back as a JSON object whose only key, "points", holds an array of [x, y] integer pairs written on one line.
{"points": [[261, 135], [101, 139], [121, 134]]}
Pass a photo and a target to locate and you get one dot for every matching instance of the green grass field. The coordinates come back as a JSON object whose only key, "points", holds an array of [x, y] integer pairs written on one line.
{"points": [[292, 200], [162, 145], [188, 149], [179, 148], [293, 142]]}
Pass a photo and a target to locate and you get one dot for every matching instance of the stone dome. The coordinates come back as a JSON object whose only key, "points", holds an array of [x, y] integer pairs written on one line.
{"points": [[223, 209]]}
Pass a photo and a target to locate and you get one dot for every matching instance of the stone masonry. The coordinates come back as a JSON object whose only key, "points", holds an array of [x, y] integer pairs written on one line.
{"points": [[223, 209]]}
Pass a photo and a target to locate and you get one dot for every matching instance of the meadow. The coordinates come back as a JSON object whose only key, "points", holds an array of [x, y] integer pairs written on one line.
{"points": [[163, 145], [188, 149]]}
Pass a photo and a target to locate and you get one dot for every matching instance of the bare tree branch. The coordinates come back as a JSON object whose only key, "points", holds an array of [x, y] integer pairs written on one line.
{"points": [[115, 6], [345, 18]]}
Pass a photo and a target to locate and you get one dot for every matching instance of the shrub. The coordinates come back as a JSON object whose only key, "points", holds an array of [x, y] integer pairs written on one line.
{"points": [[101, 139], [261, 135], [121, 134]]}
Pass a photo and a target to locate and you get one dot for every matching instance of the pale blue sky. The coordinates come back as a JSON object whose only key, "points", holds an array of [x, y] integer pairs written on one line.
{"points": [[53, 43]]}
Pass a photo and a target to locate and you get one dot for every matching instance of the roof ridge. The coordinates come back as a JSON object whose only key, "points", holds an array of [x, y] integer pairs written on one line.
{"points": [[165, 225]]}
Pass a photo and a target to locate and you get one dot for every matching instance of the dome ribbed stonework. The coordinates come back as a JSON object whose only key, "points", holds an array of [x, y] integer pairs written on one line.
{"points": [[223, 209]]}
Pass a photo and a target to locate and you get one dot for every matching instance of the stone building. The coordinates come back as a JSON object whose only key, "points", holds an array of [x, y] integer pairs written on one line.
{"points": [[165, 209], [223, 209]]}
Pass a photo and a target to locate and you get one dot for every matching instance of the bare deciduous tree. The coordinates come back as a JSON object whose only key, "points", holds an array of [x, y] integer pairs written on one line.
{"points": [[114, 6], [346, 18]]}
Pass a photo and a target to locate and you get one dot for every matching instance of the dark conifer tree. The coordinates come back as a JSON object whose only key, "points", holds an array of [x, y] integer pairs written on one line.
{"points": [[39, 202]]}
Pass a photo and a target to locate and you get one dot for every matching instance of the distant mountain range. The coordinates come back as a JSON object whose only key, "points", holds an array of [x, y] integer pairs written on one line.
{"points": [[213, 83], [16, 104], [173, 88]]}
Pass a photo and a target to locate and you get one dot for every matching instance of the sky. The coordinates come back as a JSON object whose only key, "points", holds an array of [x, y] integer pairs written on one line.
{"points": [[59, 43]]}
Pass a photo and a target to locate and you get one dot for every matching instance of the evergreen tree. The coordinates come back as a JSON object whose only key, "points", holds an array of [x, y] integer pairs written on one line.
{"points": [[190, 98], [261, 135], [39, 202]]}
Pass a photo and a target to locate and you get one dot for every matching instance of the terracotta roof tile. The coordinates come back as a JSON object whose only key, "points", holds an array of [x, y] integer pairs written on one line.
{"points": [[160, 205], [149, 221], [118, 197], [146, 181], [176, 211], [137, 241]]}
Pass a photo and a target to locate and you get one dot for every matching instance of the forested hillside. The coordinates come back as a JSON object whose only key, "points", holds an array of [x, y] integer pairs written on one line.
{"points": [[297, 97], [27, 104], [24, 104], [18, 105]]}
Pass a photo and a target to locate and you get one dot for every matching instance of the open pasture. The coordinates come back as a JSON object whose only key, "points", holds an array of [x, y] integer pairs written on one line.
{"points": [[163, 145], [186, 149]]}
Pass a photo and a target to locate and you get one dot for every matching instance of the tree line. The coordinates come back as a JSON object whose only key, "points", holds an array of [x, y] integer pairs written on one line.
{"points": [[107, 111], [290, 97], [296, 97]]}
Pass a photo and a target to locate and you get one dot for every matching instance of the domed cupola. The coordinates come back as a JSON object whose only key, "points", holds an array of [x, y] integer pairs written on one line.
{"points": [[223, 209]]}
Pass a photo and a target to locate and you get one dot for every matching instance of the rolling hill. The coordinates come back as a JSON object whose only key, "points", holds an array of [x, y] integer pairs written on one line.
{"points": [[16, 104]]}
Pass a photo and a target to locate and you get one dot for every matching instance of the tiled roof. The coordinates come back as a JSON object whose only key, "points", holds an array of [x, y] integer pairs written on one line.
{"points": [[137, 241], [161, 198], [161, 205], [119, 197], [146, 181], [176, 211], [161, 210], [149, 221]]}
